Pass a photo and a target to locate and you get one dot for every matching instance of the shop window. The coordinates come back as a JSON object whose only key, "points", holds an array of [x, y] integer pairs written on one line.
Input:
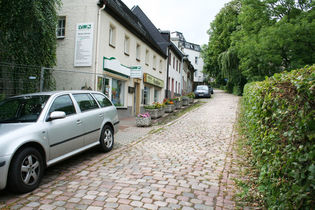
{"points": [[156, 95], [61, 28], [118, 92], [146, 95]]}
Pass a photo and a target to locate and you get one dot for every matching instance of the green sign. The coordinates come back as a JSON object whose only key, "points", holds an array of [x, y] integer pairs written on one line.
{"points": [[153, 80]]}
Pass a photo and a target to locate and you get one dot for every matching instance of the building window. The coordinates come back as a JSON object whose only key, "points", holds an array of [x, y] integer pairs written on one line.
{"points": [[112, 35], [118, 92], [138, 52], [146, 95], [147, 57], [196, 60], [170, 59], [173, 62], [179, 66], [176, 65], [154, 62], [126, 45], [61, 28], [176, 87], [156, 95], [160, 66]]}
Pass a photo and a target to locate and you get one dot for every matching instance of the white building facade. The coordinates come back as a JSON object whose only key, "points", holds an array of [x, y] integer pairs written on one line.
{"points": [[193, 51], [106, 49]]}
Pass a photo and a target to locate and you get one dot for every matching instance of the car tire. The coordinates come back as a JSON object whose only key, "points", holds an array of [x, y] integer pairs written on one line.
{"points": [[26, 171], [107, 139]]}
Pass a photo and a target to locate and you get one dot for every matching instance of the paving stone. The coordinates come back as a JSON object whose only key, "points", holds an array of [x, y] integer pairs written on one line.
{"points": [[177, 167]]}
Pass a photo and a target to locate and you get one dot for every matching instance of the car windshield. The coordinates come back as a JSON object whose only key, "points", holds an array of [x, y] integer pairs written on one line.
{"points": [[22, 109], [202, 88]]}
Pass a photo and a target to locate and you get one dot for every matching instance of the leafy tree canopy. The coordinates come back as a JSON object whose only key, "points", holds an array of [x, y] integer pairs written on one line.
{"points": [[27, 31], [251, 39]]}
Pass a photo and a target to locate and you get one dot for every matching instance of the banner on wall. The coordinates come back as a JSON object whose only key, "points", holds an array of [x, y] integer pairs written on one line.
{"points": [[83, 44]]}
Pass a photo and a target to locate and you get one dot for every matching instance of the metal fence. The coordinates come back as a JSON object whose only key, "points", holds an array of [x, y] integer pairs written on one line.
{"points": [[18, 79]]}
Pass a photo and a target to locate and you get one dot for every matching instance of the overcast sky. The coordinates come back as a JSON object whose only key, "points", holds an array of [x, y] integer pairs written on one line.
{"points": [[192, 18]]}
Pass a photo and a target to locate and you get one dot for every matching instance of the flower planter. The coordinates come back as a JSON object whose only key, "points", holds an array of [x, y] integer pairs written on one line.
{"points": [[161, 111], [143, 121], [178, 104], [185, 101], [154, 113], [169, 108]]}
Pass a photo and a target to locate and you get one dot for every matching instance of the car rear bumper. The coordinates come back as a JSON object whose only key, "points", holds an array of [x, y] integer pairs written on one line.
{"points": [[4, 168]]}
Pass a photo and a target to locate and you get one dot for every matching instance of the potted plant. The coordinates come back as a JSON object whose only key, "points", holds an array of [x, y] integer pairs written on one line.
{"points": [[185, 100], [177, 103], [169, 105], [152, 110], [143, 120], [191, 97], [160, 107]]}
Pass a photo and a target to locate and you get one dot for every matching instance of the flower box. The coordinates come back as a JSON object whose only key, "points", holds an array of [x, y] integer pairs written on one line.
{"points": [[161, 111], [154, 113], [169, 108], [185, 101], [178, 104], [143, 121]]}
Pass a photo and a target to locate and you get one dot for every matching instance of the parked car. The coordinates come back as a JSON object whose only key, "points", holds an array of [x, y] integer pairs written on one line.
{"points": [[38, 130], [202, 91], [211, 89]]}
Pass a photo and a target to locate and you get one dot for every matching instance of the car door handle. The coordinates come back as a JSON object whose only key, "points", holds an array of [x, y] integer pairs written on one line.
{"points": [[101, 115], [79, 122]]}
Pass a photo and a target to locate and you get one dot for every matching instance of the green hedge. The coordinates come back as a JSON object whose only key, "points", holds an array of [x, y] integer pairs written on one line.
{"points": [[278, 117]]}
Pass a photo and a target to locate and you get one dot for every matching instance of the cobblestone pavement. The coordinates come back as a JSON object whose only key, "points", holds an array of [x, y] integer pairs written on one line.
{"points": [[182, 165]]}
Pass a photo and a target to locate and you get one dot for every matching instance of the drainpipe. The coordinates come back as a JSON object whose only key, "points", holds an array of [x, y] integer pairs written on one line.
{"points": [[97, 42]]}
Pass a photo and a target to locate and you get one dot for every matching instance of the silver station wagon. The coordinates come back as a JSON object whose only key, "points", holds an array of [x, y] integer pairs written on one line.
{"points": [[40, 129]]}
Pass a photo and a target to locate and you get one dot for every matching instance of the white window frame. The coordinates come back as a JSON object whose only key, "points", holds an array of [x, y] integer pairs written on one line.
{"points": [[126, 45], [61, 29], [138, 52], [112, 35], [147, 54]]}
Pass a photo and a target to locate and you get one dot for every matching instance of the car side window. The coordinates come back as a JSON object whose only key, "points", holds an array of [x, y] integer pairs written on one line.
{"points": [[85, 101], [102, 100], [63, 103]]}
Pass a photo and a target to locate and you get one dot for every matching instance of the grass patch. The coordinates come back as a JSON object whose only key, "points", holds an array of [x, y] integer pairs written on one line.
{"points": [[175, 115]]}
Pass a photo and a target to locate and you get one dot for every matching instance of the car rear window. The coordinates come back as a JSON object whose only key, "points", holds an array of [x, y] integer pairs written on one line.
{"points": [[102, 100], [85, 101]]}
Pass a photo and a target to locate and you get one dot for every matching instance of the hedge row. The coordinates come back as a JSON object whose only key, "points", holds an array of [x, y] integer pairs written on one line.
{"points": [[279, 120]]}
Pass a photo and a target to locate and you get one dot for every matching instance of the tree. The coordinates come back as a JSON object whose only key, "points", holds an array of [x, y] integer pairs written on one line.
{"points": [[252, 39], [27, 37]]}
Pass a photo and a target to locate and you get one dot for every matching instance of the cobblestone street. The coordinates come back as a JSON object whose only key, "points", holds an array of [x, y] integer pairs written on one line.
{"points": [[182, 165]]}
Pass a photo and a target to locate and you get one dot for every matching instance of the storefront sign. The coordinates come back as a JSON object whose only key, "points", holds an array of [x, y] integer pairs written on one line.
{"points": [[83, 44], [135, 72], [113, 65], [153, 80]]}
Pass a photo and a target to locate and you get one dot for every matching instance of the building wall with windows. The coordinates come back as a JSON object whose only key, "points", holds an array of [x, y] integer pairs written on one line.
{"points": [[175, 74], [115, 55]]}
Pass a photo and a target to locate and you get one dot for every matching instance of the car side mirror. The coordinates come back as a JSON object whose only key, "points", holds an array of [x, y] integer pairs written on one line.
{"points": [[57, 115]]}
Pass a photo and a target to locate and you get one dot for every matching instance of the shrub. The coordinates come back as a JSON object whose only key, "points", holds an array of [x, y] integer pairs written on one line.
{"points": [[279, 119]]}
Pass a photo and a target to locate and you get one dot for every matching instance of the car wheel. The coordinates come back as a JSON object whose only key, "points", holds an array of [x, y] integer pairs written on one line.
{"points": [[26, 171], [107, 138]]}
